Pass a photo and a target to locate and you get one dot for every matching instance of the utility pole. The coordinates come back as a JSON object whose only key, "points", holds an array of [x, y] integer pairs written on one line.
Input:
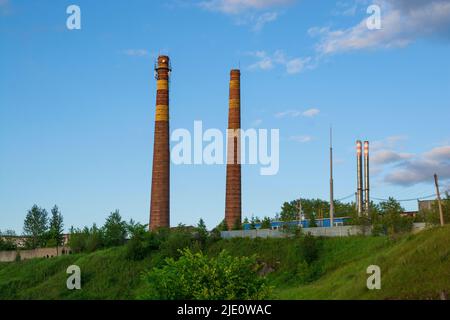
{"points": [[441, 213], [331, 180]]}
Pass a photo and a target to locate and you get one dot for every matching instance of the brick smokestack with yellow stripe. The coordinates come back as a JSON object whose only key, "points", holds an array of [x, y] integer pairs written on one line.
{"points": [[233, 188], [160, 196]]}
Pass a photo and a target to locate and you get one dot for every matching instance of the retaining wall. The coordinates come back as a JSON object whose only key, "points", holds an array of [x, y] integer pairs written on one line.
{"points": [[9, 256]]}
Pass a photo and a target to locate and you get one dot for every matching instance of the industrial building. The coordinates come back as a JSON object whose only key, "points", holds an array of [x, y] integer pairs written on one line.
{"points": [[326, 222]]}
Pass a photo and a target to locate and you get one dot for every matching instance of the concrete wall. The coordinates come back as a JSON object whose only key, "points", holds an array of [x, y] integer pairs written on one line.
{"points": [[10, 256], [418, 226], [339, 231]]}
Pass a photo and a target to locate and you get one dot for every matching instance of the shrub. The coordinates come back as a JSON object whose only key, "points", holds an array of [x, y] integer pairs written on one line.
{"points": [[7, 243], [266, 223], [312, 221], [176, 240], [115, 230], [309, 248], [86, 240], [306, 273], [195, 276], [142, 243]]}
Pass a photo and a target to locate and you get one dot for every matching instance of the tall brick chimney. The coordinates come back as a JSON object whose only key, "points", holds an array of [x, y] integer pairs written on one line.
{"points": [[233, 188], [160, 194]]}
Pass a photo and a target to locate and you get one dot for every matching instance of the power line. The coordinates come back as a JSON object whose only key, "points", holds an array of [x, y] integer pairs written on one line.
{"points": [[347, 197], [383, 199], [407, 200]]}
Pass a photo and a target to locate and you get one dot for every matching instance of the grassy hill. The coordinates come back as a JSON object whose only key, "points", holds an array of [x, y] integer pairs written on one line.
{"points": [[413, 267]]}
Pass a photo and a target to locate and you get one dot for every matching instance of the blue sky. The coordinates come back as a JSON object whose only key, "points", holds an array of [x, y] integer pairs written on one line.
{"points": [[77, 106]]}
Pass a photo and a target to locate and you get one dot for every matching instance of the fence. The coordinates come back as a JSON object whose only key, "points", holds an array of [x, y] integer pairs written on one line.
{"points": [[339, 231]]}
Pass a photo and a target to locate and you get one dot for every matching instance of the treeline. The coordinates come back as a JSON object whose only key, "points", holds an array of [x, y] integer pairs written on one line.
{"points": [[432, 215], [7, 242], [386, 217], [311, 209], [139, 241], [113, 233], [39, 230]]}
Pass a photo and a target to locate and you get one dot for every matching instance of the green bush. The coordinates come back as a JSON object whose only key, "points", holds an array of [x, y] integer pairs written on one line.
{"points": [[176, 240], [306, 273], [7, 244], [141, 244], [195, 276], [432, 217], [115, 230], [309, 247], [86, 240]]}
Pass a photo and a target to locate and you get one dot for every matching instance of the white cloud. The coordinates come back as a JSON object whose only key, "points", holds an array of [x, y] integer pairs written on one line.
{"points": [[136, 52], [264, 61], [239, 6], [402, 23], [297, 65], [301, 139], [421, 168], [263, 19], [385, 153], [310, 113], [348, 8], [437, 154], [269, 61], [389, 143], [288, 113], [247, 12], [383, 157]]}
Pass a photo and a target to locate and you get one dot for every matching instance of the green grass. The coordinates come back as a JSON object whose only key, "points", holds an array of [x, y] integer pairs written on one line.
{"points": [[106, 274], [413, 267]]}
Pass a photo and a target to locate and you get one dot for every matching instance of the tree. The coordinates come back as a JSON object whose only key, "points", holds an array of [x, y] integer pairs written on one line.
{"points": [[36, 226], [202, 231], [95, 238], [266, 223], [391, 218], [7, 242], [223, 226], [312, 221], [252, 223], [237, 224], [56, 228], [115, 230], [195, 276], [432, 217], [289, 211], [141, 241]]}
